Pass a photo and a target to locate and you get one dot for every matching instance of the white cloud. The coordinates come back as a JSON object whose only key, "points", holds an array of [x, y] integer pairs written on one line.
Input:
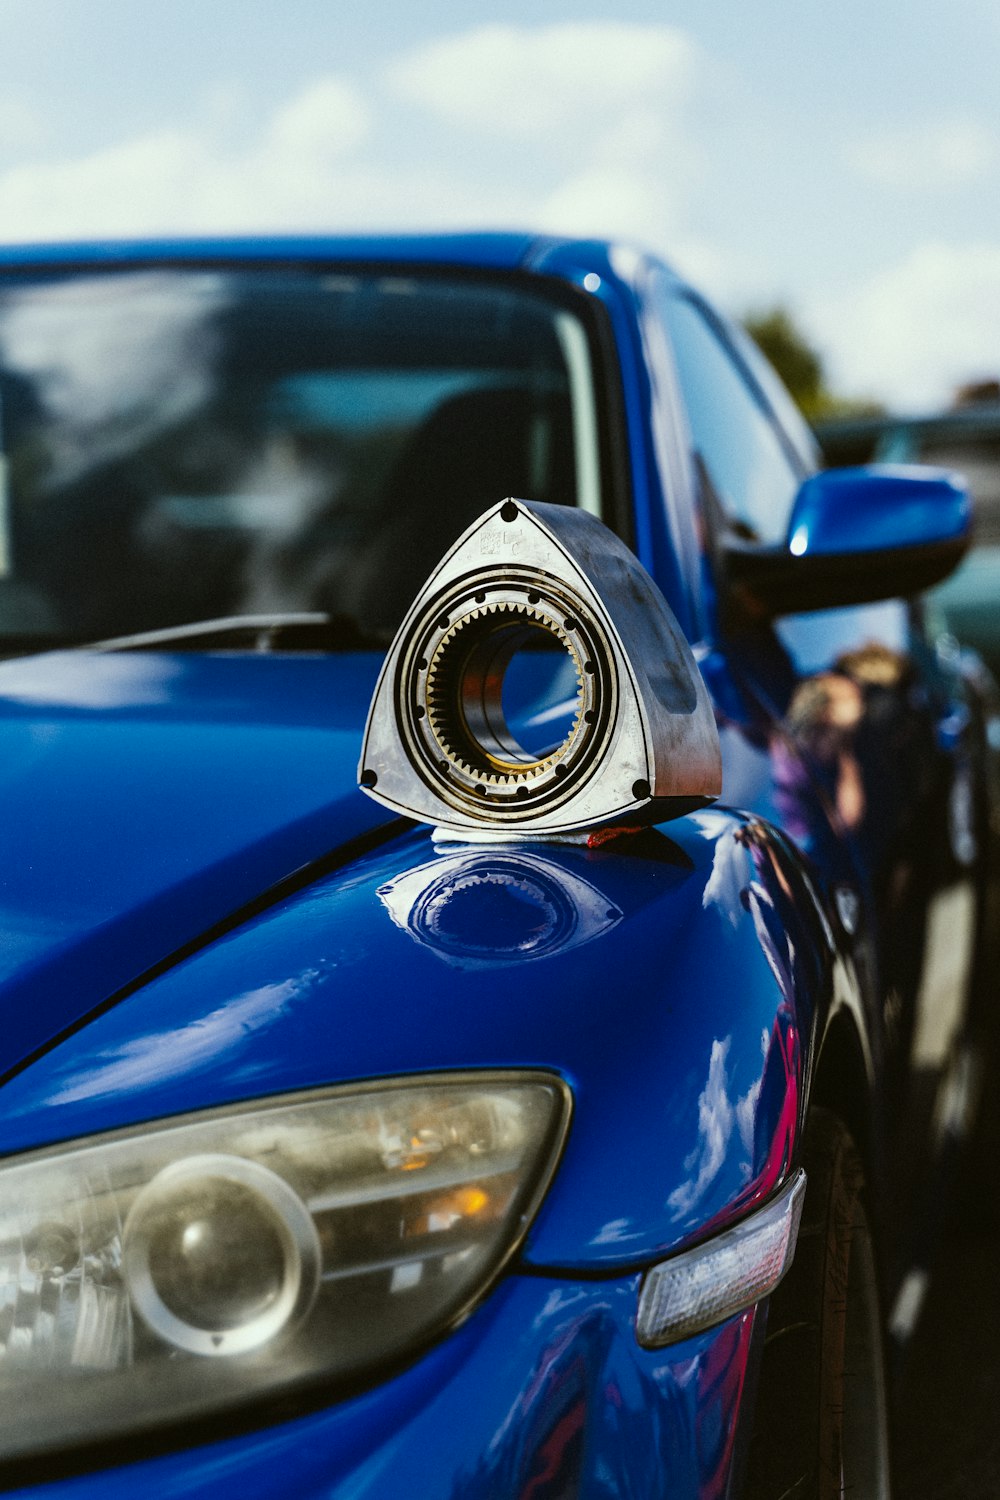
{"points": [[600, 201], [329, 119], [184, 180], [542, 83], [594, 112], [21, 127], [916, 330], [600, 104], [943, 154]]}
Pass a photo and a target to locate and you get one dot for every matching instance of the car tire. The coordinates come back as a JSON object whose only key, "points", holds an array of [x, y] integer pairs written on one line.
{"points": [[821, 1425]]}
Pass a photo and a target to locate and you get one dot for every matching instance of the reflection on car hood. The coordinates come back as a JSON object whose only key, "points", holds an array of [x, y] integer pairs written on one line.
{"points": [[146, 797]]}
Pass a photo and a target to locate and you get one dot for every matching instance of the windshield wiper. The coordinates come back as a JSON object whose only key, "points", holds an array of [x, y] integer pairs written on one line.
{"points": [[305, 630]]}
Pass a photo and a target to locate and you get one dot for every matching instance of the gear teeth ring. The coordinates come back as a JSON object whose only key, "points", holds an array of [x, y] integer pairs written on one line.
{"points": [[501, 765], [458, 658], [448, 720]]}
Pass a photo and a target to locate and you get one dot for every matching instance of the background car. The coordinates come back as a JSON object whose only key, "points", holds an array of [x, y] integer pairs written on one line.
{"points": [[344, 1156], [966, 439]]}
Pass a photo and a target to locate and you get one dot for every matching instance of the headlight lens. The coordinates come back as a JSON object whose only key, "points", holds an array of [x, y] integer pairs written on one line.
{"points": [[162, 1274]]}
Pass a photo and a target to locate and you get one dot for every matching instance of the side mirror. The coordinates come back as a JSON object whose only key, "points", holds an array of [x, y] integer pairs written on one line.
{"points": [[856, 535]]}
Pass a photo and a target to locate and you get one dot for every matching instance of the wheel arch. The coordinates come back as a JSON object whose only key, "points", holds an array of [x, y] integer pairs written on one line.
{"points": [[842, 1085]]}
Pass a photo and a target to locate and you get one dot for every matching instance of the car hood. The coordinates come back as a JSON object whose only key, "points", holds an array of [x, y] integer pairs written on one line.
{"points": [[147, 797], [666, 981]]}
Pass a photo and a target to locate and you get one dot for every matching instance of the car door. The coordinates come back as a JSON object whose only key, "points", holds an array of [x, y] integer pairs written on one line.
{"points": [[866, 736]]}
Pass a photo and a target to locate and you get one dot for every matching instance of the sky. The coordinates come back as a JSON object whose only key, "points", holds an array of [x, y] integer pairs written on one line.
{"points": [[842, 161]]}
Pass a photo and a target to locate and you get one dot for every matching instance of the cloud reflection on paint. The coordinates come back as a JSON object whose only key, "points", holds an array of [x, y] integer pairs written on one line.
{"points": [[728, 879], [156, 1056], [112, 681], [719, 1115]]}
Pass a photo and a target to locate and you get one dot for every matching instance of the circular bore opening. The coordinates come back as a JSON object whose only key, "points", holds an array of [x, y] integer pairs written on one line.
{"points": [[519, 695], [517, 705]]}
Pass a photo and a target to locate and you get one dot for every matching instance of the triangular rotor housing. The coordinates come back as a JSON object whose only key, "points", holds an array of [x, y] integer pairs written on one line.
{"points": [[642, 745]]}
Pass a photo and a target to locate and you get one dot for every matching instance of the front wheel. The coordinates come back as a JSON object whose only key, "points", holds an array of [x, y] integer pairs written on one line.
{"points": [[821, 1430]]}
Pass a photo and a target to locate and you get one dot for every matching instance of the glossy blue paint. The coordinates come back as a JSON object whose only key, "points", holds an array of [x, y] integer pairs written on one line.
{"points": [[543, 1392], [499, 969], [878, 509], [485, 251], [147, 797]]}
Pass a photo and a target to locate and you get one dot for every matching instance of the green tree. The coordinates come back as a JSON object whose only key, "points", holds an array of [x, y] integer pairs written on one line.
{"points": [[801, 367]]}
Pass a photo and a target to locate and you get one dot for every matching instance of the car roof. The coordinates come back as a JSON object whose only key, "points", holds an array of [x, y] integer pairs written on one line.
{"points": [[497, 251], [489, 251]]}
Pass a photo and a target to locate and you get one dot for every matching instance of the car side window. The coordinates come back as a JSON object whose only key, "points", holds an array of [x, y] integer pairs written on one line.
{"points": [[751, 470]]}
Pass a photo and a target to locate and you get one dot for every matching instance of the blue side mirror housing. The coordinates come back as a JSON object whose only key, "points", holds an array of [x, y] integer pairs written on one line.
{"points": [[855, 535]]}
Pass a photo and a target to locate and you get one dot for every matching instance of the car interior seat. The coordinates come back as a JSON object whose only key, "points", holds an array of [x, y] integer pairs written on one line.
{"points": [[475, 449]]}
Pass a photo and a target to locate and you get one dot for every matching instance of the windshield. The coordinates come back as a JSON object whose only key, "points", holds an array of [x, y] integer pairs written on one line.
{"points": [[183, 445]]}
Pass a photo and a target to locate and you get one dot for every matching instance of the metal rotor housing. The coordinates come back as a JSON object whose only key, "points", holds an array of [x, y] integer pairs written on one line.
{"points": [[641, 740]]}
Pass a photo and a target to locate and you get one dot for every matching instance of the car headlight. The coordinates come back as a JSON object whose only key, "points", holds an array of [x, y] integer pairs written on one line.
{"points": [[172, 1271]]}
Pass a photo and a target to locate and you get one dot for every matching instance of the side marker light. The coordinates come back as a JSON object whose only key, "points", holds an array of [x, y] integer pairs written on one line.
{"points": [[703, 1286]]}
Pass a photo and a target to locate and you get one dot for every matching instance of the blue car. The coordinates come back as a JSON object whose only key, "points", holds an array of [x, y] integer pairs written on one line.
{"points": [[492, 929]]}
